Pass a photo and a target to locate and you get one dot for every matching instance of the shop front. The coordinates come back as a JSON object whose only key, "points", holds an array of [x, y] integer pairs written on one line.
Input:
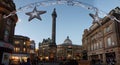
{"points": [[5, 52], [17, 58]]}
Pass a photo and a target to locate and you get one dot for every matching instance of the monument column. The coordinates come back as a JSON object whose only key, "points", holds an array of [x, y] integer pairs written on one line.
{"points": [[53, 46], [54, 16]]}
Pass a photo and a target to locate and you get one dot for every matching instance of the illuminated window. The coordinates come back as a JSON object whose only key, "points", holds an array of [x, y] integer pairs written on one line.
{"points": [[24, 49], [97, 44], [109, 41], [14, 49], [17, 42], [17, 49], [24, 43], [31, 51], [113, 43]]}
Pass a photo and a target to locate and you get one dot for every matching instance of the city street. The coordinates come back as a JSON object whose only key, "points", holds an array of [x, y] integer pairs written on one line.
{"points": [[48, 64], [82, 62], [59, 32]]}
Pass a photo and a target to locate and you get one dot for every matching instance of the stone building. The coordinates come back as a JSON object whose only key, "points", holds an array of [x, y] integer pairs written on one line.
{"points": [[23, 48], [7, 27], [103, 41], [67, 50], [44, 50]]}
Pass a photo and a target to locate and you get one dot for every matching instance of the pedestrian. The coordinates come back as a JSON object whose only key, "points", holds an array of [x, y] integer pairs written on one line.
{"points": [[93, 62], [28, 62], [22, 62], [99, 62], [108, 61], [112, 61]]}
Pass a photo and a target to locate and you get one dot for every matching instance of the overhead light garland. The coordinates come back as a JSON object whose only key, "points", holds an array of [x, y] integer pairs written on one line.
{"points": [[68, 2]]}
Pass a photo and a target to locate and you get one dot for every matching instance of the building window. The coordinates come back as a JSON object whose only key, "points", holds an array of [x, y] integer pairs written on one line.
{"points": [[28, 50], [88, 47], [6, 35], [107, 29], [24, 49], [99, 34], [31, 51], [24, 43], [14, 49], [91, 46], [109, 41], [97, 45], [17, 49], [113, 43], [17, 42], [9, 22], [100, 44], [85, 41]]}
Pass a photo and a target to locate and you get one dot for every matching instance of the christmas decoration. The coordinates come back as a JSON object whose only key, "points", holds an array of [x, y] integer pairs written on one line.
{"points": [[35, 14], [96, 18], [54, 2]]}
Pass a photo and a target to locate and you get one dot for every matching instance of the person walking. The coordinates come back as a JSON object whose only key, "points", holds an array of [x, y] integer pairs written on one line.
{"points": [[28, 62], [22, 62]]}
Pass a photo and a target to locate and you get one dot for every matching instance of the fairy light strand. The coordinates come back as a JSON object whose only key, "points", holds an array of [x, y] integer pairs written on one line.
{"points": [[54, 2]]}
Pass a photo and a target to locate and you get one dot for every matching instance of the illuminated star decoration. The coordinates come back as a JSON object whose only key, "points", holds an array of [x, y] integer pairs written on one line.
{"points": [[96, 18], [35, 14]]}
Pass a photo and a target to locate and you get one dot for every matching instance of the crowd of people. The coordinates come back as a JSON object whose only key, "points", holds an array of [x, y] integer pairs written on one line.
{"points": [[29, 61], [25, 63], [94, 61], [109, 61], [69, 62], [36, 61]]}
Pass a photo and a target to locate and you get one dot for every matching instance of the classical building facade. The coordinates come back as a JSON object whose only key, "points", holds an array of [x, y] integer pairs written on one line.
{"points": [[103, 41], [7, 26], [23, 48], [44, 52], [67, 50]]}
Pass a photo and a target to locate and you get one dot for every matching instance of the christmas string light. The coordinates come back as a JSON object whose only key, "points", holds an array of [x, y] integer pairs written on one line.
{"points": [[68, 2]]}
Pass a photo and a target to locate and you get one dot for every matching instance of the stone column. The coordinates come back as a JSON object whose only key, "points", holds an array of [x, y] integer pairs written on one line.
{"points": [[54, 15], [118, 56], [104, 58]]}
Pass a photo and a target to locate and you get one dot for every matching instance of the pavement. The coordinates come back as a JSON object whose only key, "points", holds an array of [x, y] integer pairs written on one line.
{"points": [[48, 64]]}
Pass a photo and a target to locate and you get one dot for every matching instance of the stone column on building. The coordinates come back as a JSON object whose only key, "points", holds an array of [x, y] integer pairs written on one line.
{"points": [[118, 57], [104, 58]]}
